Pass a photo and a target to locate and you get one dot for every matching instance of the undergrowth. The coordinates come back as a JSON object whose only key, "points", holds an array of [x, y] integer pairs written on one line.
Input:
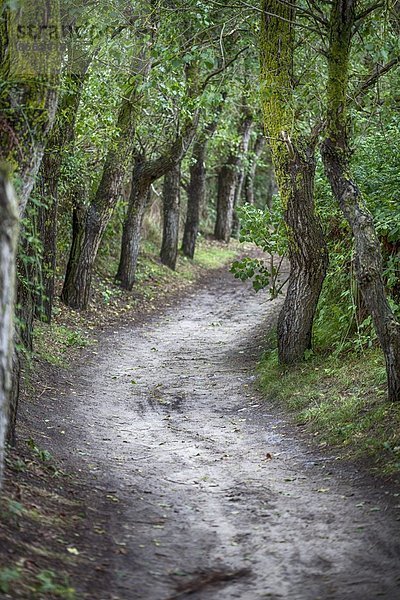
{"points": [[341, 400]]}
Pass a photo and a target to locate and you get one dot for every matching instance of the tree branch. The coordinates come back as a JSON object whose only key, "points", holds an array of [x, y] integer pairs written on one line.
{"points": [[221, 69], [369, 10], [378, 72]]}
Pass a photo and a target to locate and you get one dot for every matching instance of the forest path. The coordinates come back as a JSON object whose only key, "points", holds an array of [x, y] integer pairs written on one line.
{"points": [[179, 442]]}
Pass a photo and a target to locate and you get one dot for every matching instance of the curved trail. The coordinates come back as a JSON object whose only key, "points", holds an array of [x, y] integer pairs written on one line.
{"points": [[168, 422]]}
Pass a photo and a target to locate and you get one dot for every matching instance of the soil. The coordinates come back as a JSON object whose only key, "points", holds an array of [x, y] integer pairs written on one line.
{"points": [[193, 486]]}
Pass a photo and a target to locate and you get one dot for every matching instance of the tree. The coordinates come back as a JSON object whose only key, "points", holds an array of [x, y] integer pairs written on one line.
{"points": [[171, 206], [196, 188], [336, 156], [145, 172], [91, 221], [8, 250], [30, 66], [294, 163], [84, 41], [229, 179], [257, 151], [171, 190], [60, 138]]}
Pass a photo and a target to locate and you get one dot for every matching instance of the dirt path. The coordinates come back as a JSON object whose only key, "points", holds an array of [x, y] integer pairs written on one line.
{"points": [[178, 443]]}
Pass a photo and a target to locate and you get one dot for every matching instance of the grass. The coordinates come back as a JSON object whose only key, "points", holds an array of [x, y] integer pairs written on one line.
{"points": [[36, 521], [53, 342], [212, 256], [342, 402], [45, 584]]}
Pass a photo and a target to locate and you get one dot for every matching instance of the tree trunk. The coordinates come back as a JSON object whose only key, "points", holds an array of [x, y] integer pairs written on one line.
{"points": [[226, 195], [88, 229], [236, 202], [144, 174], [61, 135], [196, 191], [368, 260], [131, 234], [308, 260], [196, 194], [251, 173], [8, 248], [295, 169], [228, 180], [336, 158], [171, 211], [30, 83]]}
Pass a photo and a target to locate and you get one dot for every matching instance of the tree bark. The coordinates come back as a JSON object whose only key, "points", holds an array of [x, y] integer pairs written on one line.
{"points": [[131, 234], [196, 191], [336, 158], [8, 248], [308, 259], [295, 168], [196, 194], [228, 179], [171, 212]]}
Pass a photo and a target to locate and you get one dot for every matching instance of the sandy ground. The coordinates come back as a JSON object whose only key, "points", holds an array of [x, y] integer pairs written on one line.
{"points": [[206, 492]]}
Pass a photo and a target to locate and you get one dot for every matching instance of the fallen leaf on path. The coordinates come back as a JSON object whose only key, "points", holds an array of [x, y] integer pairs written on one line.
{"points": [[99, 530], [112, 498]]}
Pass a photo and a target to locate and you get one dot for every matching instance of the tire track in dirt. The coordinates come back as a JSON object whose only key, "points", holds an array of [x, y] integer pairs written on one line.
{"points": [[169, 426]]}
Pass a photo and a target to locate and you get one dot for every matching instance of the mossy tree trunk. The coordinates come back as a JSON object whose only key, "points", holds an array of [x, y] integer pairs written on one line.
{"points": [[28, 102], [294, 164], [336, 157]]}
